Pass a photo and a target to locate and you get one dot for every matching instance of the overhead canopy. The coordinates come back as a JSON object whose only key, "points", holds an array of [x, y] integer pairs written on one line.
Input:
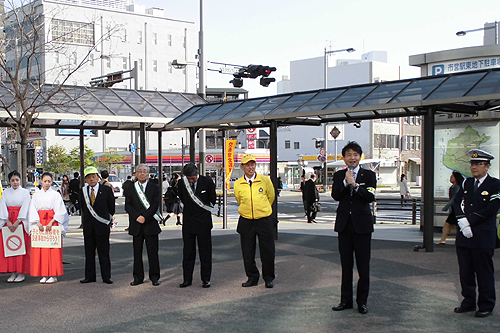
{"points": [[458, 92], [99, 108]]}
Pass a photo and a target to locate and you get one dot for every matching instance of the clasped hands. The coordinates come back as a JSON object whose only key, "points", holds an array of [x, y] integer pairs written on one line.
{"points": [[465, 228], [349, 178]]}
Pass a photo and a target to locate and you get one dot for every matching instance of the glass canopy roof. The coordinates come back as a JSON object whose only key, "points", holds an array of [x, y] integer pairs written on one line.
{"points": [[105, 108], [469, 91]]}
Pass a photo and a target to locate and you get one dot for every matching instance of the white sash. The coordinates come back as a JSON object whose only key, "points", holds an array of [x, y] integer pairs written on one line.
{"points": [[194, 197], [145, 201], [85, 191]]}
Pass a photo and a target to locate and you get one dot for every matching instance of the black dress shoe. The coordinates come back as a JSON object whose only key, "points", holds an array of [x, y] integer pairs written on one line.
{"points": [[206, 284], [135, 283], [107, 281], [362, 309], [185, 284], [155, 283], [87, 280], [482, 314], [269, 284], [460, 309], [342, 306], [250, 283]]}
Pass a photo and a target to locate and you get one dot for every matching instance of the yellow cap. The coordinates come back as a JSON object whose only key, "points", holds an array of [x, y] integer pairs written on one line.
{"points": [[247, 158], [90, 170]]}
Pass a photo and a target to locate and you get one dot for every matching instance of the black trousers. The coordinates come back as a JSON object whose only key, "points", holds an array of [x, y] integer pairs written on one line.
{"points": [[92, 242], [152, 245], [249, 230], [204, 239], [355, 245], [477, 265], [311, 214]]}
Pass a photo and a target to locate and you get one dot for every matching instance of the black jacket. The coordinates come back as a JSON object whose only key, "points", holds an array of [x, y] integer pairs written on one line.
{"points": [[310, 191], [104, 205], [196, 218], [358, 205], [135, 208]]}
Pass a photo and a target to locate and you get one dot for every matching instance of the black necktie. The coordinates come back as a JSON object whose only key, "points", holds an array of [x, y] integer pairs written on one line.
{"points": [[250, 182], [351, 188], [476, 185], [192, 186]]}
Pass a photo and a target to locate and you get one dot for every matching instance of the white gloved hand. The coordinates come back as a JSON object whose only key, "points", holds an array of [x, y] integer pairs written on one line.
{"points": [[467, 231], [463, 222]]}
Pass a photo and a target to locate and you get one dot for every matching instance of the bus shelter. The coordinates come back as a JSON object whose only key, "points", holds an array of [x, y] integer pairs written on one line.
{"points": [[468, 92]]}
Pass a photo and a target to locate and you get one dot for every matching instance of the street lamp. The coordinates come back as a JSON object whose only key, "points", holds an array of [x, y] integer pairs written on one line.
{"points": [[486, 27], [349, 50], [327, 53]]}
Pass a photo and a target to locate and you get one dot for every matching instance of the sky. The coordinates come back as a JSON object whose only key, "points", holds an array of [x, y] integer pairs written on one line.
{"points": [[275, 32]]}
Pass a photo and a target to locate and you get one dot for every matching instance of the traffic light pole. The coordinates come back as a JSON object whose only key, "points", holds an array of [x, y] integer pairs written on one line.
{"points": [[325, 181]]}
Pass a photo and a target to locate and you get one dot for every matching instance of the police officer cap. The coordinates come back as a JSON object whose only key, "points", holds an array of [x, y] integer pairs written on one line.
{"points": [[478, 155]]}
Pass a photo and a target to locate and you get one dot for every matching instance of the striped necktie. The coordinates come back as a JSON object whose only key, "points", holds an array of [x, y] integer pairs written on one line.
{"points": [[92, 197]]}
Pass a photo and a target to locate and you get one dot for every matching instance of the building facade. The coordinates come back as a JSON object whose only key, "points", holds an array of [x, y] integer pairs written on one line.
{"points": [[95, 38], [392, 144]]}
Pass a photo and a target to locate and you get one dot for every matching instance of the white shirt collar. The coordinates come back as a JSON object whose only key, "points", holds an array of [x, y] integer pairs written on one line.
{"points": [[481, 180], [251, 179], [96, 187], [144, 184]]}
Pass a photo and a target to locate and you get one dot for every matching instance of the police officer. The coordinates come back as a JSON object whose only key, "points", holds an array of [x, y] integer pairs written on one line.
{"points": [[476, 206]]}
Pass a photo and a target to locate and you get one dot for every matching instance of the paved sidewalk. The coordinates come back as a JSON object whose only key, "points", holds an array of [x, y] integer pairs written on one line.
{"points": [[410, 291]]}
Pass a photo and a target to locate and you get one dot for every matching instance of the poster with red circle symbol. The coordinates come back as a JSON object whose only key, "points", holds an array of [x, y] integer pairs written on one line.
{"points": [[13, 242]]}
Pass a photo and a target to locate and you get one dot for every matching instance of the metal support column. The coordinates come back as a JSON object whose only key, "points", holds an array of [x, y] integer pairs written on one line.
{"points": [[273, 166], [192, 152], [82, 168], [428, 182], [160, 170], [143, 142]]}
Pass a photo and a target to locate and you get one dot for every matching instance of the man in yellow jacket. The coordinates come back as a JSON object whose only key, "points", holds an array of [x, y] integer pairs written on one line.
{"points": [[255, 194]]}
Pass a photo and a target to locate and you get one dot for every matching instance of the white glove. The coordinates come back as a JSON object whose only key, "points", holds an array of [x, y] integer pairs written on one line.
{"points": [[467, 231], [462, 223]]}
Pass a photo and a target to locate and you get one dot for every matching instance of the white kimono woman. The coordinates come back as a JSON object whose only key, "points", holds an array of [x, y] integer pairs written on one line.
{"points": [[47, 209]]}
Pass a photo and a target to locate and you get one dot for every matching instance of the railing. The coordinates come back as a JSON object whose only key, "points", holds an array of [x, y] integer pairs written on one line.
{"points": [[394, 204]]}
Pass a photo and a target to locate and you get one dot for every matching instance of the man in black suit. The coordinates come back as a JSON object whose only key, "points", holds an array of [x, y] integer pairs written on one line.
{"points": [[310, 196], [354, 188], [476, 206], [197, 193], [141, 203], [74, 191], [97, 208]]}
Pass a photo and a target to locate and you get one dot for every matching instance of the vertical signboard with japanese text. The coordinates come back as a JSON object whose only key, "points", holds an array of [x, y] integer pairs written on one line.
{"points": [[230, 145]]}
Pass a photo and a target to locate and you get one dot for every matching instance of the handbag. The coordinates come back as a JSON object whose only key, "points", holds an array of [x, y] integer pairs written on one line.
{"points": [[316, 207]]}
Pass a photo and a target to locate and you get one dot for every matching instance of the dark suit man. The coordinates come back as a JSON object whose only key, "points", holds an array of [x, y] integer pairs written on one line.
{"points": [[310, 196], [74, 190], [97, 207], [476, 206], [198, 196], [143, 225], [355, 190]]}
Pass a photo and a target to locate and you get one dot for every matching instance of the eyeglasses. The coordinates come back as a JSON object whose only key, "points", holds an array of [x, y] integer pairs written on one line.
{"points": [[142, 172]]}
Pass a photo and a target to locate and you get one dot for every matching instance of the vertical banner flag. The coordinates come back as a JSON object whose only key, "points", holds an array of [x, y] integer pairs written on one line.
{"points": [[230, 145]]}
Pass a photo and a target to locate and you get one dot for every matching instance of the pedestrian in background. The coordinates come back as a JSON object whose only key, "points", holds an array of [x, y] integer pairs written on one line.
{"points": [[172, 200], [255, 194], [47, 210], [403, 190], [456, 180], [311, 196], [74, 190], [14, 207]]}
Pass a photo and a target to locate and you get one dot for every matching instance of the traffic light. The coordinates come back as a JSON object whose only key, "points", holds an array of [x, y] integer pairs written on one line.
{"points": [[253, 72], [265, 81], [237, 82], [320, 144]]}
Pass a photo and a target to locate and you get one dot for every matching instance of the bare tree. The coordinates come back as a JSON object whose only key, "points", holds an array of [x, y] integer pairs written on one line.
{"points": [[32, 31]]}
